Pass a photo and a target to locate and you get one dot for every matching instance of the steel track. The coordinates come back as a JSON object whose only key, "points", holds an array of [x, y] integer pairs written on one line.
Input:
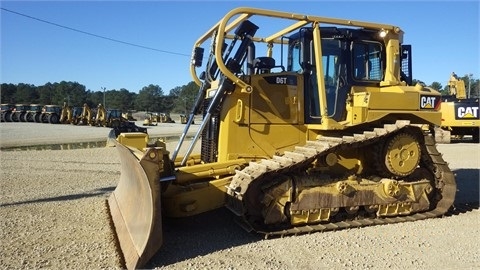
{"points": [[301, 158]]}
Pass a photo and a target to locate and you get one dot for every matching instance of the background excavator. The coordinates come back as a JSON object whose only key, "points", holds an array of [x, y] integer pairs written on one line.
{"points": [[460, 114], [309, 127], [101, 116], [66, 115]]}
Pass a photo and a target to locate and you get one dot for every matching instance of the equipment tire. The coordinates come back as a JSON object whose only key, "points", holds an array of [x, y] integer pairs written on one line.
{"points": [[53, 118], [16, 117], [5, 117], [24, 117], [11, 118], [37, 118]]}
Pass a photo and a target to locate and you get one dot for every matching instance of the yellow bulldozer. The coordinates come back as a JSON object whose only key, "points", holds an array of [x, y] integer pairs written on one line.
{"points": [[165, 118], [460, 114], [307, 128], [151, 119]]}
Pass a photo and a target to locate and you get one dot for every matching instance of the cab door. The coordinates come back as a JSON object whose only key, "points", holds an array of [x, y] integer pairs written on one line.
{"points": [[334, 64]]}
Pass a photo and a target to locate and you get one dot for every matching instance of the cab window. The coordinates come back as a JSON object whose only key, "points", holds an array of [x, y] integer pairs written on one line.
{"points": [[367, 64]]}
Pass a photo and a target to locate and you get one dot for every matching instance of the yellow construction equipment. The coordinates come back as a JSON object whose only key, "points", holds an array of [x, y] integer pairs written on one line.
{"points": [[34, 113], [460, 114], [101, 117], [51, 114], [114, 118], [19, 112], [129, 116], [66, 115], [184, 119], [165, 118], [6, 112], [319, 132], [151, 119], [86, 116]]}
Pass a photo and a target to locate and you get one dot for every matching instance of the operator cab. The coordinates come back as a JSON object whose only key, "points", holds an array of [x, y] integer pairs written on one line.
{"points": [[349, 57]]}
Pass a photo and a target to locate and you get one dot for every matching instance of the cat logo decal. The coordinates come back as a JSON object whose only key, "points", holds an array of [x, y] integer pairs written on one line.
{"points": [[466, 112], [429, 102]]}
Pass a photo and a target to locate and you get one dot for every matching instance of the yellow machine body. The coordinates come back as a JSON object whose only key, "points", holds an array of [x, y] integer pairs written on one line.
{"points": [[286, 142], [460, 114], [151, 119], [86, 118]]}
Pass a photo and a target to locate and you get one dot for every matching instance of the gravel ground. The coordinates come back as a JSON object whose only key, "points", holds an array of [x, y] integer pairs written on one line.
{"points": [[53, 215]]}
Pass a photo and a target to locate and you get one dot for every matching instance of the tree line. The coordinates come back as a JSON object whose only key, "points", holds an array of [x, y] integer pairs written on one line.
{"points": [[149, 98]]}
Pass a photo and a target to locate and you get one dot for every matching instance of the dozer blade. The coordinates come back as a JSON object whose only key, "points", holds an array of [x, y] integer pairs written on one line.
{"points": [[135, 205]]}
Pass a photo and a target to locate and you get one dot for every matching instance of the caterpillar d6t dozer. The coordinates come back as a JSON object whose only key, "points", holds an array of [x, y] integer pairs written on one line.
{"points": [[310, 127]]}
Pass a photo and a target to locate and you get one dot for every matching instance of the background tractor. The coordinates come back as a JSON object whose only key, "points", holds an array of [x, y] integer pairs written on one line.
{"points": [[114, 118], [6, 110], [19, 112], [33, 114], [51, 114]]}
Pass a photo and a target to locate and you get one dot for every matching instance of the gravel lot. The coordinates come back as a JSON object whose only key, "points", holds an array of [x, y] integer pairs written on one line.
{"points": [[53, 215], [30, 136]]}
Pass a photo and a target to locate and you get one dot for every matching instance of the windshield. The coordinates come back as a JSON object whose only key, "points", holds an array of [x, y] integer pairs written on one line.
{"points": [[52, 109]]}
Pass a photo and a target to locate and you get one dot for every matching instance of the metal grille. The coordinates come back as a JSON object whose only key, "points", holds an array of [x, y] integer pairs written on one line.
{"points": [[375, 69], [406, 67], [209, 148]]}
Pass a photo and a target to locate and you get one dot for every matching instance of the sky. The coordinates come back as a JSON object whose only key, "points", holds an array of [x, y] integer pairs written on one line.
{"points": [[132, 44]]}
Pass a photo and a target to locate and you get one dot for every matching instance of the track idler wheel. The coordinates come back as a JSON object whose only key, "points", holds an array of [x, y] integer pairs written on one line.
{"points": [[400, 156]]}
